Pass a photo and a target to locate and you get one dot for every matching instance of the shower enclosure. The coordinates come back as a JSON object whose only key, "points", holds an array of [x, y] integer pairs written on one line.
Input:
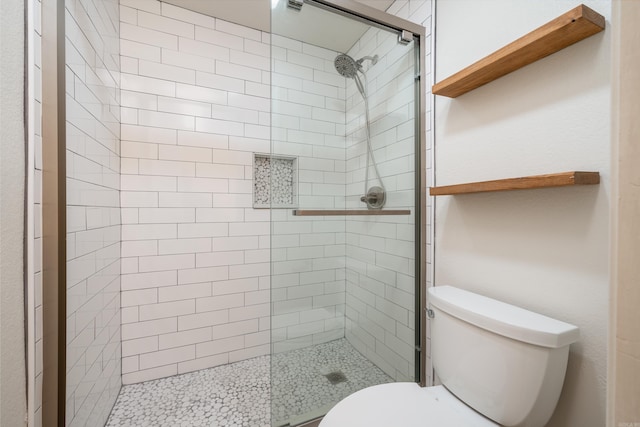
{"points": [[345, 246], [220, 199]]}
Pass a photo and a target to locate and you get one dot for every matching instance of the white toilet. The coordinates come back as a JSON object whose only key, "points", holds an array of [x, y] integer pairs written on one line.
{"points": [[499, 365]]}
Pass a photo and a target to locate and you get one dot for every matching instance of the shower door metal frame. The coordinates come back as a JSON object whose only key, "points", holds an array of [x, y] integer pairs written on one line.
{"points": [[375, 16], [54, 220]]}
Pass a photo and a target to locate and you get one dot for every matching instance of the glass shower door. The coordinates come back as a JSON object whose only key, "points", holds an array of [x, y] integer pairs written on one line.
{"points": [[340, 181]]}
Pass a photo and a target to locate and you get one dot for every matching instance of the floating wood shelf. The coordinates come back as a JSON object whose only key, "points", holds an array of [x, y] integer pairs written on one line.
{"points": [[340, 212], [565, 30], [523, 183]]}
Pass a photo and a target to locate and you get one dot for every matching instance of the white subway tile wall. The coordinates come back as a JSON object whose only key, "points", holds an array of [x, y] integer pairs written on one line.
{"points": [[188, 147], [309, 254], [380, 273], [93, 210], [195, 270], [419, 12], [308, 264], [380, 285]]}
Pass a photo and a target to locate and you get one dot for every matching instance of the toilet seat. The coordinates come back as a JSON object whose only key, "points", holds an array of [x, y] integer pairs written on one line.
{"points": [[403, 405]]}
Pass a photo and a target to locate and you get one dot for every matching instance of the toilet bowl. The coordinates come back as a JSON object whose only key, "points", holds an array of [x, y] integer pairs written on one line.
{"points": [[499, 365], [403, 405]]}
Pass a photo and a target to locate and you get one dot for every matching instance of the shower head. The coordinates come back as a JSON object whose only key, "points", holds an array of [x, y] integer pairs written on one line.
{"points": [[346, 66]]}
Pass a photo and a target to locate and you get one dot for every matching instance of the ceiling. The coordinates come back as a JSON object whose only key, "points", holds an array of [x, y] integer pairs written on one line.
{"points": [[311, 25]]}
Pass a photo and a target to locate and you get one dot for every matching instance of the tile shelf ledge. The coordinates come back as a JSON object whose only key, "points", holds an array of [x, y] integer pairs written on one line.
{"points": [[521, 183], [567, 29], [350, 212]]}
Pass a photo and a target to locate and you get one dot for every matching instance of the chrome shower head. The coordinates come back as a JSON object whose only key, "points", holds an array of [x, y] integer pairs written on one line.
{"points": [[346, 66]]}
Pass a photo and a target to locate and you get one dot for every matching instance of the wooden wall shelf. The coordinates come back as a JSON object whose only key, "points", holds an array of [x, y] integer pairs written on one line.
{"points": [[523, 183], [567, 29]]}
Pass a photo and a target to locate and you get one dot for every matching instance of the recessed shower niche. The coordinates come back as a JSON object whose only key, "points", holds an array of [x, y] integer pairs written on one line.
{"points": [[275, 181]]}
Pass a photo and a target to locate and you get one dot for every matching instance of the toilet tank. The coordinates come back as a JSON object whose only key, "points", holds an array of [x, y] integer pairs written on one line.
{"points": [[503, 361]]}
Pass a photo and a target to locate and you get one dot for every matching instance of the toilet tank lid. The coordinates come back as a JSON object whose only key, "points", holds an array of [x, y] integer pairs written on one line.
{"points": [[502, 318]]}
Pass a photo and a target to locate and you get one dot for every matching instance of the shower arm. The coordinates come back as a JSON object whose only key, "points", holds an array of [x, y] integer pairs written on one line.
{"points": [[373, 59]]}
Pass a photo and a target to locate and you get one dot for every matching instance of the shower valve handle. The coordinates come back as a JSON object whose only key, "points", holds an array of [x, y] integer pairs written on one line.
{"points": [[375, 198]]}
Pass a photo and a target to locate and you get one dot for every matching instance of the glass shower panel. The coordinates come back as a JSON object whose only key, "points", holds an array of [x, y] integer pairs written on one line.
{"points": [[93, 346], [342, 275]]}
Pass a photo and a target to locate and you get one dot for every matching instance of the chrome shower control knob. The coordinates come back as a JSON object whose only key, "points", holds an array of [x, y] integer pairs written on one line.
{"points": [[375, 198]]}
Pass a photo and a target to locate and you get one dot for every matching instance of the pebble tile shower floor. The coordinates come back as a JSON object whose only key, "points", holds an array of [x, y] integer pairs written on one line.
{"points": [[238, 394]]}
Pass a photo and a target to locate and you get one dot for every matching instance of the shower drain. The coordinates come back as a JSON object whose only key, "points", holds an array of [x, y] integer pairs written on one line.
{"points": [[336, 377]]}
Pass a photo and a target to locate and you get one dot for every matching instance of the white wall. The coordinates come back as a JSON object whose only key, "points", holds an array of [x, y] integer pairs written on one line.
{"points": [[93, 210], [381, 250], [195, 254], [545, 250], [12, 164], [195, 107], [331, 262], [308, 123], [309, 284]]}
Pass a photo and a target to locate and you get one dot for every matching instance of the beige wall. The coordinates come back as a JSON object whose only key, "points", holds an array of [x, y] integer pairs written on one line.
{"points": [[12, 143], [624, 352], [546, 250]]}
